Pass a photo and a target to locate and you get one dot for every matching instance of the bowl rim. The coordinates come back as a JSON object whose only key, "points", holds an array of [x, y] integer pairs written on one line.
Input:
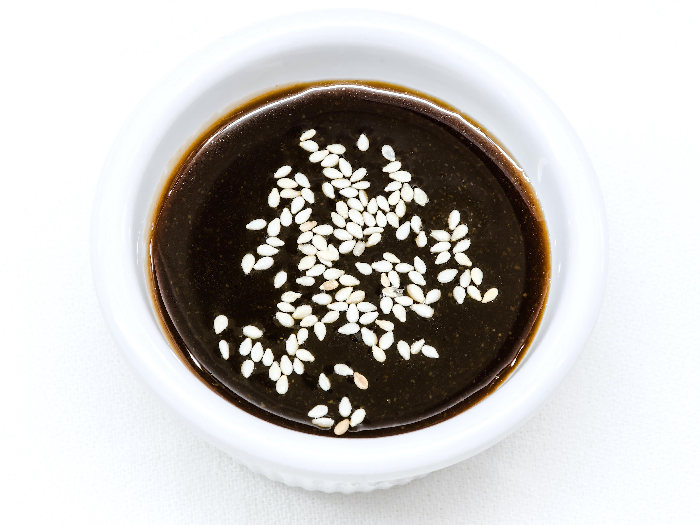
{"points": [[254, 441]]}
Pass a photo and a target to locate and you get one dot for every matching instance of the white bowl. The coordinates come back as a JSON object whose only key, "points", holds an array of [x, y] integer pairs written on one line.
{"points": [[350, 45]]}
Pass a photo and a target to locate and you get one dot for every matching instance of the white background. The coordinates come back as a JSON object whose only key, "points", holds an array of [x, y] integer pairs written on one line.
{"points": [[82, 441]]}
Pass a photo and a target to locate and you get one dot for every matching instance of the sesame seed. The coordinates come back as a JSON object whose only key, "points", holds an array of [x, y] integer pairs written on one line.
{"points": [[245, 347], [268, 357], [465, 278], [274, 241], [302, 216], [474, 293], [432, 296], [328, 190], [446, 276], [285, 319], [265, 249], [358, 416], [323, 422], [289, 193], [442, 258], [338, 149], [352, 314], [306, 281], [416, 347], [292, 345], [387, 326], [257, 352], [257, 224], [283, 172], [401, 176], [420, 197], [381, 219], [358, 174], [220, 323], [368, 218], [490, 295], [342, 427], [342, 369], [290, 297], [320, 331], [462, 259], [329, 285], [417, 278], [366, 307], [306, 262], [302, 335], [374, 239], [368, 317], [358, 249], [383, 203], [318, 156], [280, 279], [274, 373], [403, 268], [385, 304], [298, 366], [340, 307], [399, 312], [330, 161], [332, 173], [296, 206], [394, 198], [307, 135], [423, 310], [247, 368], [363, 143], [439, 247], [331, 317], [429, 351], [247, 263], [368, 336], [382, 266], [403, 231], [322, 299], [462, 246], [341, 183], [324, 382], [416, 224], [286, 365], [302, 311], [308, 321], [304, 355], [349, 192], [404, 349], [223, 348], [344, 407], [400, 209], [460, 232], [415, 292], [309, 145], [363, 268], [318, 411], [273, 200], [477, 276], [345, 167], [421, 240], [404, 300], [287, 183], [392, 186], [348, 329], [286, 217], [392, 167], [378, 354], [316, 270], [263, 263], [388, 153], [459, 294], [407, 195], [453, 219], [394, 279]]}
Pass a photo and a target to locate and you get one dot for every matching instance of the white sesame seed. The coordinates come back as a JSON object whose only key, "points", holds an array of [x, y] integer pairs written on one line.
{"points": [[432, 296], [257, 224], [388, 153], [307, 135], [286, 183], [333, 273], [247, 368], [354, 204], [328, 190], [280, 279], [420, 197], [462, 246], [358, 416], [298, 366], [341, 183], [273, 200], [416, 224], [349, 280], [356, 297], [403, 268], [320, 330], [290, 297], [392, 186], [404, 349], [342, 370], [362, 185], [297, 205], [442, 258], [394, 198], [302, 216], [363, 143], [330, 161], [304, 355], [286, 217], [343, 294], [346, 246], [345, 167], [386, 340], [366, 307], [368, 336], [423, 310], [344, 407], [322, 299], [407, 195], [356, 217], [268, 357], [318, 156], [446, 276], [374, 239], [319, 243], [416, 347], [267, 250], [474, 293], [247, 263], [324, 383], [378, 354], [318, 411], [348, 329], [440, 235], [289, 193], [419, 265], [274, 241], [387, 326], [453, 219], [392, 167], [440, 247], [282, 385], [257, 352], [394, 279], [462, 259], [331, 317], [323, 229], [308, 195], [382, 266], [285, 319], [421, 240], [329, 285], [352, 314], [308, 321], [306, 281], [404, 300], [302, 335], [354, 229], [429, 351], [368, 218], [403, 231], [307, 226], [459, 294], [263, 263], [302, 311], [490, 295], [401, 176], [309, 145], [286, 365], [338, 149], [400, 209], [391, 258], [373, 229], [323, 422], [273, 229], [340, 307], [381, 219], [274, 372], [460, 232], [363, 268], [358, 174], [415, 292], [477, 276], [383, 203], [283, 172], [306, 262], [348, 192], [332, 173], [220, 323], [465, 278], [385, 280], [246, 346], [369, 317], [399, 312], [416, 278], [223, 348], [291, 345], [385, 304], [326, 255]]}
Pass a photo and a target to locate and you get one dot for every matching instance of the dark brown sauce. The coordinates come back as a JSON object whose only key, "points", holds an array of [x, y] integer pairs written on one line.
{"points": [[222, 183]]}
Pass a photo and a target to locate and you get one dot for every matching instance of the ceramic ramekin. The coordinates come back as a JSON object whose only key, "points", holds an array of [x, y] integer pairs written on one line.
{"points": [[350, 45]]}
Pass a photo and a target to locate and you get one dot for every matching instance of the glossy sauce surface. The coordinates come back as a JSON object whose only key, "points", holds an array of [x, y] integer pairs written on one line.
{"points": [[199, 238]]}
